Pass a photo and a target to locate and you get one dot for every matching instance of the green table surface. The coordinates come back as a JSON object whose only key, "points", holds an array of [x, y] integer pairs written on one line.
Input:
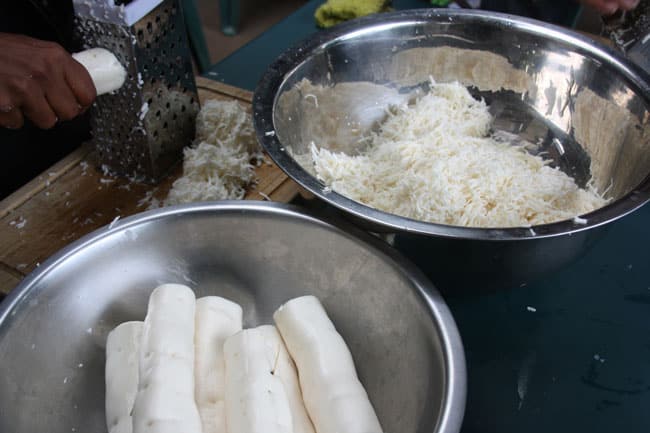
{"points": [[245, 67], [569, 353]]}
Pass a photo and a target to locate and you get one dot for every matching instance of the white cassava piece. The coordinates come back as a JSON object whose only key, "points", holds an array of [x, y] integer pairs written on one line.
{"points": [[285, 370], [165, 399], [334, 397], [106, 72], [121, 376], [256, 401], [216, 320]]}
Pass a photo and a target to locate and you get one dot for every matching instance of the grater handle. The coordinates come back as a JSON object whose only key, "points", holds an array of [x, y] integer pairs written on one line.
{"points": [[105, 70]]}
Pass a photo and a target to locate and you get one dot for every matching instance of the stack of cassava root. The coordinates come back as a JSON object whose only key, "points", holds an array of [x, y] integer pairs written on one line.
{"points": [[191, 368]]}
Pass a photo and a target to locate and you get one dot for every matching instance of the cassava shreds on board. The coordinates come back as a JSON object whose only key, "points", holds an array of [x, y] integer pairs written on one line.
{"points": [[218, 166]]}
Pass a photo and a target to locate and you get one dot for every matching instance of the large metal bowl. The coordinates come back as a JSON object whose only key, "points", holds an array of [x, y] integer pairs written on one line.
{"points": [[581, 103], [53, 327]]}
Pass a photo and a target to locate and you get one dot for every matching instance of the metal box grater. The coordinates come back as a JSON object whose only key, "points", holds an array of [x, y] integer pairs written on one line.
{"points": [[140, 130]]}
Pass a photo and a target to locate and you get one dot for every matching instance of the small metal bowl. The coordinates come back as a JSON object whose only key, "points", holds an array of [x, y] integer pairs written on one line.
{"points": [[582, 104], [53, 327]]}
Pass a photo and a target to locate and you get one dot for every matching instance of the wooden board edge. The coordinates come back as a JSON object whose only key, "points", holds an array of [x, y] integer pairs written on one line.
{"points": [[286, 192], [9, 278], [224, 89]]}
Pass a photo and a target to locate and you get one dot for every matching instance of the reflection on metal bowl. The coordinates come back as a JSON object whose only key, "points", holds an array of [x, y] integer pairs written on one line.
{"points": [[583, 106], [53, 326]]}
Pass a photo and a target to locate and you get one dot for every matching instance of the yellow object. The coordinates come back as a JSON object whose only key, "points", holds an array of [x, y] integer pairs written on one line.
{"points": [[334, 12]]}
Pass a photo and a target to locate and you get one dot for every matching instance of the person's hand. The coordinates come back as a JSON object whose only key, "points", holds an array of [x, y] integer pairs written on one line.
{"points": [[610, 7], [40, 81]]}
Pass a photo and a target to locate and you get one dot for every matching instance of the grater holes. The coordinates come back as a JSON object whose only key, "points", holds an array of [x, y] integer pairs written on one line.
{"points": [[149, 101], [174, 116], [150, 27], [165, 125], [167, 105], [157, 18], [108, 150], [183, 108], [158, 113], [155, 134]]}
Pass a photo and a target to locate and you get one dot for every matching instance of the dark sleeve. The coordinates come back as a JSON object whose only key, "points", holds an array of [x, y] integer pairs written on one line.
{"points": [[29, 151], [51, 20]]}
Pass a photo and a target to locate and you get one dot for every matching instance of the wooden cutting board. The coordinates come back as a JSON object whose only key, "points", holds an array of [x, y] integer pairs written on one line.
{"points": [[73, 198]]}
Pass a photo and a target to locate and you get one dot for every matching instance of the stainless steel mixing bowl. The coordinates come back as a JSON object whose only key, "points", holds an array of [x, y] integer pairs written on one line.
{"points": [[582, 104], [53, 327]]}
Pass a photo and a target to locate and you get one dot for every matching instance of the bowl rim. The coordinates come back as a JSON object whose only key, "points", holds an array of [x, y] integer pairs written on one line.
{"points": [[453, 407], [265, 97]]}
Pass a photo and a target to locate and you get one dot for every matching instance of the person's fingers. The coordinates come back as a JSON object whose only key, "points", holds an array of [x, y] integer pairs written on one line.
{"points": [[63, 102], [61, 99], [607, 8], [7, 99], [79, 81], [610, 7], [11, 118], [603, 7], [10, 114], [32, 102], [628, 5], [40, 113], [50, 73]]}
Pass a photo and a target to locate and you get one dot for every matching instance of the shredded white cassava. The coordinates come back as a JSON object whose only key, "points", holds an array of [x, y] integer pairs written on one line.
{"points": [[434, 161], [218, 166]]}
